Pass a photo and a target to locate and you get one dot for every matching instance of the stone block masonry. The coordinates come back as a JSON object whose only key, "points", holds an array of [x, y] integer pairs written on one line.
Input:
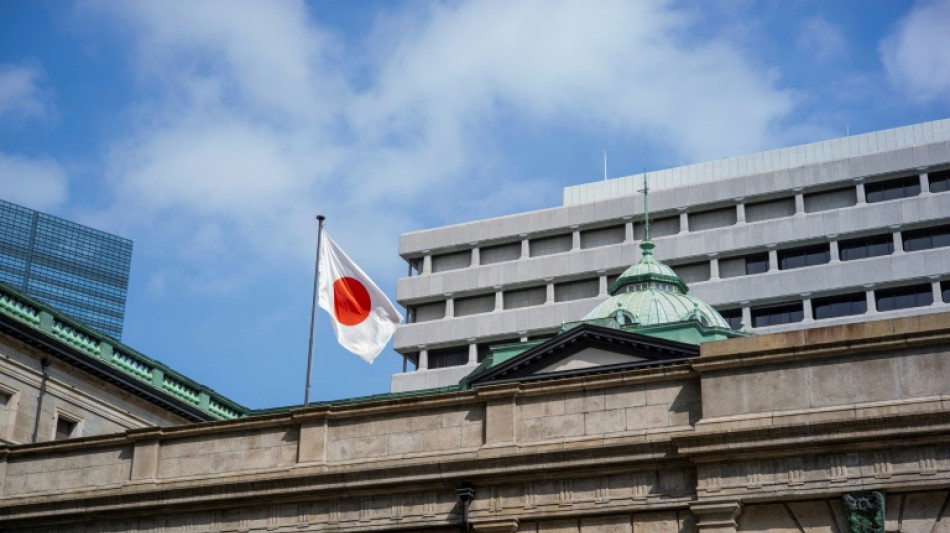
{"points": [[749, 436]]}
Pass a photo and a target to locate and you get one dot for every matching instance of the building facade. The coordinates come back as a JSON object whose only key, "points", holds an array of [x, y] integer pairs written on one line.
{"points": [[834, 232], [79, 270], [840, 429], [61, 379]]}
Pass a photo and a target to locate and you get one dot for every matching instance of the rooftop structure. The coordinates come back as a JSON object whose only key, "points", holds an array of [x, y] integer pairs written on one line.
{"points": [[833, 232], [82, 271]]}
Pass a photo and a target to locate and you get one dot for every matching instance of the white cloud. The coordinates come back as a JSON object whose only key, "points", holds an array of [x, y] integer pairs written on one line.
{"points": [[915, 54], [38, 183], [821, 39], [263, 117], [20, 93]]}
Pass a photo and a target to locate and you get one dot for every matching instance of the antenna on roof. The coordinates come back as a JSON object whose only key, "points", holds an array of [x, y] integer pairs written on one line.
{"points": [[646, 208], [605, 165]]}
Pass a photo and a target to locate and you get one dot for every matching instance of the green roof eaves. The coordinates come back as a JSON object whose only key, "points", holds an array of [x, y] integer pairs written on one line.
{"points": [[120, 357]]}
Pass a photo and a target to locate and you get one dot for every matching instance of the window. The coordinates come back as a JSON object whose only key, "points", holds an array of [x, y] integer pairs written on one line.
{"points": [[777, 314], [659, 227], [66, 428], [712, 219], [757, 212], [803, 257], [603, 236], [515, 299], [446, 357], [926, 238], [940, 181], [733, 317], [551, 245], [904, 297], [489, 255], [576, 290], [882, 191], [844, 305], [757, 263], [453, 261], [825, 200], [693, 272], [872, 246], [427, 312], [945, 291], [473, 305]]}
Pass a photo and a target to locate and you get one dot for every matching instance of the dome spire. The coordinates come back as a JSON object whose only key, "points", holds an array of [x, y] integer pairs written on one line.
{"points": [[646, 211]]}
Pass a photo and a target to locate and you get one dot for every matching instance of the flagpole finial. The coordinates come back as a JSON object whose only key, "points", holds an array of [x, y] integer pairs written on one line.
{"points": [[321, 218]]}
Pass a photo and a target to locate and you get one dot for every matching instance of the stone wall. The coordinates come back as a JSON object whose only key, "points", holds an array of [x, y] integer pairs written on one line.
{"points": [[652, 450], [96, 407]]}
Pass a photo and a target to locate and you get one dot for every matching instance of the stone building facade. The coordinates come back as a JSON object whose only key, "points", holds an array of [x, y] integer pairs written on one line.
{"points": [[60, 378], [763, 433]]}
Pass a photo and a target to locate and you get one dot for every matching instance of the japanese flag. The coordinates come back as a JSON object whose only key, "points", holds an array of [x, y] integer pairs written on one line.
{"points": [[363, 318]]}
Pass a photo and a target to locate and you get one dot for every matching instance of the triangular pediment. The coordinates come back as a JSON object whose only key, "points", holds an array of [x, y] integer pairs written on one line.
{"points": [[589, 358], [587, 349]]}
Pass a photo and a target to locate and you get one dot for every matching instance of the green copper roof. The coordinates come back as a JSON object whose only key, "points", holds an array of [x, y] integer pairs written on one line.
{"points": [[647, 269], [650, 294], [120, 358]]}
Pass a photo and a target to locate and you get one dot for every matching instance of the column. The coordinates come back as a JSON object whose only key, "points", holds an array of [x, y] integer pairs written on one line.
{"points": [[924, 182], [799, 201], [746, 314], [833, 247], [935, 285], [449, 305], [499, 298], [575, 238], [859, 191], [869, 293], [476, 256], [898, 239], [740, 210], [713, 267], [628, 229], [806, 307], [427, 262], [602, 282], [773, 257], [423, 358], [684, 219], [525, 246], [472, 351], [549, 299]]}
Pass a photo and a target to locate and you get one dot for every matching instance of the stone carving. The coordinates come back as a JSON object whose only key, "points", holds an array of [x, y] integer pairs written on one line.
{"points": [[865, 511]]}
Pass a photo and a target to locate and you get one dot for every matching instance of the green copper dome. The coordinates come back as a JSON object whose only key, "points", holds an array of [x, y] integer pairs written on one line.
{"points": [[650, 293]]}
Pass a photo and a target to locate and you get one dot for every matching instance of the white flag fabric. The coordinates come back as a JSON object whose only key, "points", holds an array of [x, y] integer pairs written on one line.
{"points": [[363, 318]]}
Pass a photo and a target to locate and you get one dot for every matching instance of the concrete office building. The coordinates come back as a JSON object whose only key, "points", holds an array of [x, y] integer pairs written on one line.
{"points": [[834, 232], [79, 270]]}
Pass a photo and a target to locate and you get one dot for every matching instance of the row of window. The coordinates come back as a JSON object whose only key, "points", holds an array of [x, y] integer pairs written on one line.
{"points": [[757, 263], [879, 191], [891, 299]]}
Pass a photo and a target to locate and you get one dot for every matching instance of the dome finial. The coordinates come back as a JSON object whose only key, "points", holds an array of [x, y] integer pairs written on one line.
{"points": [[646, 208]]}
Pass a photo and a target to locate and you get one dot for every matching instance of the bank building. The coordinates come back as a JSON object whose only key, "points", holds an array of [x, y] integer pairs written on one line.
{"points": [[600, 367]]}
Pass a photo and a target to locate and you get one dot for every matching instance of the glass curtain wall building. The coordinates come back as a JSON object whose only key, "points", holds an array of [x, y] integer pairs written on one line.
{"points": [[82, 271]]}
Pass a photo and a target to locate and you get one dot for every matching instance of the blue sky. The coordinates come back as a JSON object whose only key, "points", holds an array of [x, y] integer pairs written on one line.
{"points": [[211, 133]]}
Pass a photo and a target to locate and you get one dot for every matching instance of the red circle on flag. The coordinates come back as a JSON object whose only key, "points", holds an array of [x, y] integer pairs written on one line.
{"points": [[351, 301]]}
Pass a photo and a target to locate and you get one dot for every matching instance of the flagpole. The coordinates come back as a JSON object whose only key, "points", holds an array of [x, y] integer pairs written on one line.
{"points": [[313, 308]]}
